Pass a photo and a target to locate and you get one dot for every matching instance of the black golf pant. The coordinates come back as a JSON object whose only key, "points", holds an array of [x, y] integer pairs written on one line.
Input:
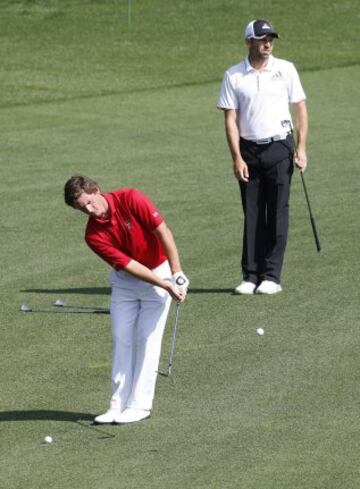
{"points": [[265, 201]]}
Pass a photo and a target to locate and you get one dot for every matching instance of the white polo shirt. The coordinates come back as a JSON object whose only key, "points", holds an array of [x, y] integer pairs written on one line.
{"points": [[261, 98]]}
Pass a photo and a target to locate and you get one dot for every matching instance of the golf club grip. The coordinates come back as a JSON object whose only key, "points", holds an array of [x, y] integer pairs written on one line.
{"points": [[316, 237]]}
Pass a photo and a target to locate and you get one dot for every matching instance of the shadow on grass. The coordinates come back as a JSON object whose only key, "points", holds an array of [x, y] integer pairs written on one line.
{"points": [[211, 291], [34, 415], [80, 290], [43, 415], [107, 291]]}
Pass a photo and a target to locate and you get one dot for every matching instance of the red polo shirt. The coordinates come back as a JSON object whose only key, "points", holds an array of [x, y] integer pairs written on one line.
{"points": [[128, 233]]}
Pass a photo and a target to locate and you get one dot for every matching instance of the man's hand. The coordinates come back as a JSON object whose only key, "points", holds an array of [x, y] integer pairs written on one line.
{"points": [[180, 282], [177, 294], [241, 171], [300, 159]]}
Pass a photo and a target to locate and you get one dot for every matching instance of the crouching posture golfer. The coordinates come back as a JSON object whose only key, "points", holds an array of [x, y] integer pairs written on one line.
{"points": [[126, 230]]}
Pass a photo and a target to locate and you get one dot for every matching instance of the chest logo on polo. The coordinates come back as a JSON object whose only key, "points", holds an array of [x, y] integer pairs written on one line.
{"points": [[128, 223], [277, 76]]}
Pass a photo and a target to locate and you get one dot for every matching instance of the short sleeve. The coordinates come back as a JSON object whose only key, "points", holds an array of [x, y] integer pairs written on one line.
{"points": [[295, 89], [144, 210], [227, 98]]}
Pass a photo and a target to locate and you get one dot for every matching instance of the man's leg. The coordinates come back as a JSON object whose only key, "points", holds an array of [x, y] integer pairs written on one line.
{"points": [[277, 194], [253, 203], [154, 310], [124, 310]]}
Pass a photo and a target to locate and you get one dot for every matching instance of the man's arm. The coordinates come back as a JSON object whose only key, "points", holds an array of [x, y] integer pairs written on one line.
{"points": [[241, 171], [301, 127], [147, 275], [143, 273], [168, 243]]}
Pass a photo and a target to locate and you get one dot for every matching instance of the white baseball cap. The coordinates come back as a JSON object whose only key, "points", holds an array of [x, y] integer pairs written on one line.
{"points": [[258, 29]]}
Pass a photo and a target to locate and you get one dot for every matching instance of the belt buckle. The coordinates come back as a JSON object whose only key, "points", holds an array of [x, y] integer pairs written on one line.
{"points": [[263, 141], [277, 137]]}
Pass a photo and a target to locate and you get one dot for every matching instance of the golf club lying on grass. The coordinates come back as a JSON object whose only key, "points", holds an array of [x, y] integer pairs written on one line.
{"points": [[61, 303], [312, 220], [173, 341], [27, 308]]}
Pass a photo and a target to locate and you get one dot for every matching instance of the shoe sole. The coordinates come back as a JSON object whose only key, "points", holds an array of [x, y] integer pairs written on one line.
{"points": [[243, 293], [99, 423], [268, 293], [137, 421], [106, 423]]}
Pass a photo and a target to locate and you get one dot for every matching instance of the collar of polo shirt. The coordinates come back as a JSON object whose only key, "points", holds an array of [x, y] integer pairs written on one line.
{"points": [[268, 67]]}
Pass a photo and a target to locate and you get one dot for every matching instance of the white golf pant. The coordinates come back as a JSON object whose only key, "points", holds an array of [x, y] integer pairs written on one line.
{"points": [[138, 312]]}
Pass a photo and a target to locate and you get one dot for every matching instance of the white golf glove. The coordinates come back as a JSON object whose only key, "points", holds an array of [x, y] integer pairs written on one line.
{"points": [[180, 281]]}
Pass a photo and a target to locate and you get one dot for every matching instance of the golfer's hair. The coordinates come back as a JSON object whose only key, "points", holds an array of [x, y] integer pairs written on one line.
{"points": [[76, 185]]}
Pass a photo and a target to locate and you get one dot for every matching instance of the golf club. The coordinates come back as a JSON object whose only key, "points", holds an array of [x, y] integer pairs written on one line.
{"points": [[312, 220], [95, 428], [61, 303], [27, 308], [173, 341]]}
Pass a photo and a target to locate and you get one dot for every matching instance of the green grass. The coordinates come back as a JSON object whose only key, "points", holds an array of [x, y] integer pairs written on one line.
{"points": [[135, 106], [66, 49]]}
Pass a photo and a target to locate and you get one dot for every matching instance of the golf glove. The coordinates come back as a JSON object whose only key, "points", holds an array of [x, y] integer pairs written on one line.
{"points": [[180, 280]]}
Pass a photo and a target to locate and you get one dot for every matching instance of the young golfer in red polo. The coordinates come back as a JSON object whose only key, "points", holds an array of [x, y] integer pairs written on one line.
{"points": [[127, 231]]}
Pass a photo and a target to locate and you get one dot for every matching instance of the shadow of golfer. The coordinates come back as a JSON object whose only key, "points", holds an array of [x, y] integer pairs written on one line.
{"points": [[211, 291], [46, 415], [35, 415], [74, 290], [107, 291]]}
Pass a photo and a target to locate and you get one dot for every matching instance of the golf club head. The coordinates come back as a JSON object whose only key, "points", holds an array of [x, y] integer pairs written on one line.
{"points": [[164, 374], [59, 303], [25, 308]]}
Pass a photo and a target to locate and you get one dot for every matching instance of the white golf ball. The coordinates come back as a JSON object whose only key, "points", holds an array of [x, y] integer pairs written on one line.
{"points": [[48, 440], [260, 331]]}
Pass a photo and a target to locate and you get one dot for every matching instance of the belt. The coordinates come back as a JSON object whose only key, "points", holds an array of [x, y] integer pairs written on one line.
{"points": [[277, 137]]}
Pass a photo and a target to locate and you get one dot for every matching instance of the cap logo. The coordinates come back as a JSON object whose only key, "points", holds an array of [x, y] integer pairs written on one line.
{"points": [[265, 26]]}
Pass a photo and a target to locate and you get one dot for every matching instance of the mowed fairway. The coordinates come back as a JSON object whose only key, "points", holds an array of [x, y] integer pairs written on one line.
{"points": [[239, 411]]}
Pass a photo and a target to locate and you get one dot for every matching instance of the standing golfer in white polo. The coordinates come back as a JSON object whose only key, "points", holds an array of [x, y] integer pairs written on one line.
{"points": [[255, 97], [126, 230]]}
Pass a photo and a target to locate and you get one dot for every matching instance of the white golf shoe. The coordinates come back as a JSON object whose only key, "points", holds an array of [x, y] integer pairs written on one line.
{"points": [[268, 287], [111, 416], [245, 288], [131, 415]]}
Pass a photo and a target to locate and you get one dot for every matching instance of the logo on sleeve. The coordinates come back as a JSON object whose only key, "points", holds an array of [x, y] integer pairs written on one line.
{"points": [[155, 214]]}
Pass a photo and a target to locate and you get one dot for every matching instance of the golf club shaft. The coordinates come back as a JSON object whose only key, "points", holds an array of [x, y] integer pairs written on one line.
{"points": [[73, 311], [312, 220], [105, 310], [173, 340]]}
